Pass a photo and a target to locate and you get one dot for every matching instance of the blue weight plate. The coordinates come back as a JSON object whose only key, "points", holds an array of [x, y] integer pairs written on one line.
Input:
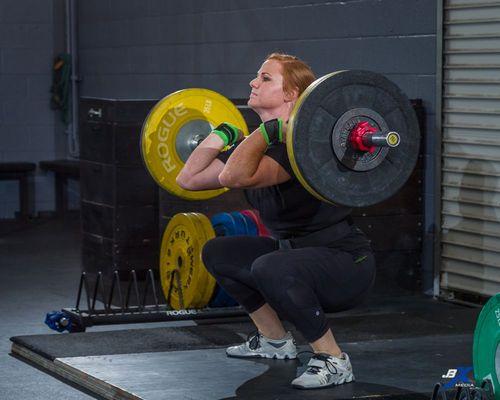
{"points": [[224, 224], [241, 223], [252, 229]]}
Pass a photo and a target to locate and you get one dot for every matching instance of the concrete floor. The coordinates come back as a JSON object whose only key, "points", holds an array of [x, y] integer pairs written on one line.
{"points": [[39, 272], [39, 267]]}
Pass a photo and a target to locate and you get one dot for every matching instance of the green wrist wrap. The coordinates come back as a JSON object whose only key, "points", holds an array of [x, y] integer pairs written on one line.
{"points": [[222, 135], [272, 131], [227, 132]]}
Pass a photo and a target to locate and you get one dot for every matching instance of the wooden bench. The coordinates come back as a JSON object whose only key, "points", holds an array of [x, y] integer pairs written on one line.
{"points": [[20, 171], [63, 170]]}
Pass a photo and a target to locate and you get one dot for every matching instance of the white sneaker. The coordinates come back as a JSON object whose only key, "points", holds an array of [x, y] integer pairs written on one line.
{"points": [[258, 345], [324, 370]]}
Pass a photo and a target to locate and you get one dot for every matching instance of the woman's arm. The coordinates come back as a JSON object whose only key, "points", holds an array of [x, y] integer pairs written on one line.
{"points": [[202, 168], [249, 167]]}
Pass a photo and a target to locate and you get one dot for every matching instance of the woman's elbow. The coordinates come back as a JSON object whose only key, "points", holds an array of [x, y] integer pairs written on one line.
{"points": [[227, 180], [183, 181]]}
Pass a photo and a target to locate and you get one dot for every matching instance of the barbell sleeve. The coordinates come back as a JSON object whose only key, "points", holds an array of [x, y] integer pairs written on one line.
{"points": [[381, 139]]}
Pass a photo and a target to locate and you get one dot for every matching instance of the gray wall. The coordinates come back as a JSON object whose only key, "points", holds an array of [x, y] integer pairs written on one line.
{"points": [[147, 49], [31, 34]]}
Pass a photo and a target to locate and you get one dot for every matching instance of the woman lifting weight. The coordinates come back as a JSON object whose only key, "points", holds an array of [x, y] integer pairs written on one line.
{"points": [[317, 260]]}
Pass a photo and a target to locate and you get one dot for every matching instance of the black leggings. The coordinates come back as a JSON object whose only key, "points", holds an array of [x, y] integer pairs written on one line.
{"points": [[299, 284]]}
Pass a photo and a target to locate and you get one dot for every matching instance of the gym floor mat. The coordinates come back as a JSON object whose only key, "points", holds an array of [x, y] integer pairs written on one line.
{"points": [[395, 354]]}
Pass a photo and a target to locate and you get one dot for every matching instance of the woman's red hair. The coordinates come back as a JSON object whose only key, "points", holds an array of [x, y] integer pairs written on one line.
{"points": [[297, 75]]}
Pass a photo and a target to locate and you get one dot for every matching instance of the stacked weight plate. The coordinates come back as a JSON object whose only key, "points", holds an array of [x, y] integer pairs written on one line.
{"points": [[236, 223], [185, 281], [253, 215]]}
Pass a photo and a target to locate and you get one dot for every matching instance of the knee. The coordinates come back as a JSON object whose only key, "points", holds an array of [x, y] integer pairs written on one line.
{"points": [[268, 272], [281, 281], [212, 255], [265, 268]]}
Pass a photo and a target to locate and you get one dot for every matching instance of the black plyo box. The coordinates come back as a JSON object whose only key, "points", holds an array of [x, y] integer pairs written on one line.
{"points": [[110, 130], [406, 201], [111, 143], [392, 232], [119, 197], [114, 111], [100, 254], [119, 223], [116, 185]]}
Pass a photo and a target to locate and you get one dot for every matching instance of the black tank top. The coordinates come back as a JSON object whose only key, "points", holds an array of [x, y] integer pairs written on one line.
{"points": [[289, 210]]}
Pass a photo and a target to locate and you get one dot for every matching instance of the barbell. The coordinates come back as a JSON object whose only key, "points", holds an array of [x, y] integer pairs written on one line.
{"points": [[352, 138]]}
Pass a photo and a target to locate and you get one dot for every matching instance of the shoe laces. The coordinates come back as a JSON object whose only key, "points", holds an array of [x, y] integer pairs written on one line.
{"points": [[331, 366], [253, 339]]}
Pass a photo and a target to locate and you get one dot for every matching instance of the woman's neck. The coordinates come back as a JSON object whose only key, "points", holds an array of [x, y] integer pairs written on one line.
{"points": [[282, 112]]}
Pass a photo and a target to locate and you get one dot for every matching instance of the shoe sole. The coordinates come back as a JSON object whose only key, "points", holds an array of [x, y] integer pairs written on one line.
{"points": [[274, 356], [346, 380]]}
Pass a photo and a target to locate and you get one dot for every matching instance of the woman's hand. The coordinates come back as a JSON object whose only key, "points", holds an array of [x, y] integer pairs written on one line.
{"points": [[229, 133], [274, 131]]}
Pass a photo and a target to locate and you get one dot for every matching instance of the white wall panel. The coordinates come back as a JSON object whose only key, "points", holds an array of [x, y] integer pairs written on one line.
{"points": [[471, 147]]}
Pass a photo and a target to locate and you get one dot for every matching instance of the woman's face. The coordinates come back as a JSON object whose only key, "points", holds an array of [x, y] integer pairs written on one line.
{"points": [[267, 88]]}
